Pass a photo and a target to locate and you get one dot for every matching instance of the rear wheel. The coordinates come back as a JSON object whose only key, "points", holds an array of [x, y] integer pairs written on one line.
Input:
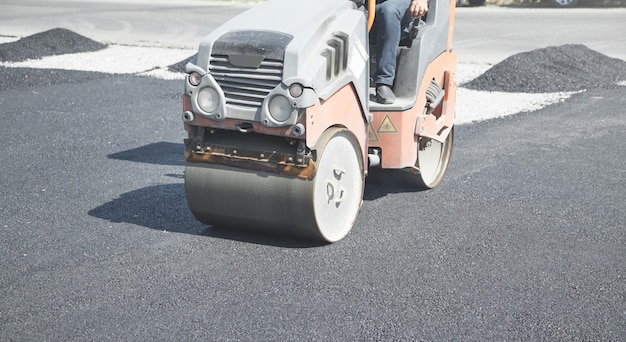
{"points": [[476, 2], [564, 3], [433, 159]]}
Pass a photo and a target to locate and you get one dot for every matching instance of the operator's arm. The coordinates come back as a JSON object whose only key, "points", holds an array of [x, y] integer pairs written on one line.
{"points": [[418, 8]]}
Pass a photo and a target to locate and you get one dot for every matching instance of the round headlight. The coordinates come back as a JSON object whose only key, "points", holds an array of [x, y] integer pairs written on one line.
{"points": [[208, 99], [195, 78], [296, 90], [280, 108]]}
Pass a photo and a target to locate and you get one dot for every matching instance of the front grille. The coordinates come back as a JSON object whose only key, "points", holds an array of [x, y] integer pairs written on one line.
{"points": [[243, 86]]}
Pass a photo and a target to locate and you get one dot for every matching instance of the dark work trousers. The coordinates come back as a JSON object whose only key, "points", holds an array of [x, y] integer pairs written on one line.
{"points": [[392, 22]]}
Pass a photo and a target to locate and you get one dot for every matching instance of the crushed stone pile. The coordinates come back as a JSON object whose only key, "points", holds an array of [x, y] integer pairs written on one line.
{"points": [[566, 68], [180, 66], [53, 42]]}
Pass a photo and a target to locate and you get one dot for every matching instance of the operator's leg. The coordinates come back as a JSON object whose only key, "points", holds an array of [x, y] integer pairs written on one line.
{"points": [[391, 17]]}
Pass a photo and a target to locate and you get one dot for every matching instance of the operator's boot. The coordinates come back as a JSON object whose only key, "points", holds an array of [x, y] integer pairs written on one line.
{"points": [[384, 94]]}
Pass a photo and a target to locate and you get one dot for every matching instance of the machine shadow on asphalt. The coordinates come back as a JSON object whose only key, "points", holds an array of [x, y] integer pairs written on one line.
{"points": [[164, 208], [159, 207], [380, 183], [162, 153]]}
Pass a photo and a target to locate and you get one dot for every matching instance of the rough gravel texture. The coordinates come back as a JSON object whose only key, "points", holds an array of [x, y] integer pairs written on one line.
{"points": [[180, 66], [53, 42], [553, 69]]}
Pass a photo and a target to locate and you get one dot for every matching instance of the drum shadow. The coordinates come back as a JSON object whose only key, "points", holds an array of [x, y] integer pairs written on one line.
{"points": [[161, 153], [164, 208], [380, 183]]}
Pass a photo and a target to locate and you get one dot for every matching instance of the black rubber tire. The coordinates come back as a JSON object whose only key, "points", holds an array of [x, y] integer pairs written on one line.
{"points": [[434, 163], [476, 2], [564, 3]]}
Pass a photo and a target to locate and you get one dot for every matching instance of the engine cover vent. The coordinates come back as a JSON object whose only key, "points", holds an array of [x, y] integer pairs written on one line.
{"points": [[336, 55]]}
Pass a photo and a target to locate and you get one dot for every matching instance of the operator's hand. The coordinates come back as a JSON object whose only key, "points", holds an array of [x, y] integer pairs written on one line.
{"points": [[418, 8], [359, 3]]}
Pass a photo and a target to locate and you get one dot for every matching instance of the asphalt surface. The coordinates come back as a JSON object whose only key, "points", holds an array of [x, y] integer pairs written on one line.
{"points": [[524, 240]]}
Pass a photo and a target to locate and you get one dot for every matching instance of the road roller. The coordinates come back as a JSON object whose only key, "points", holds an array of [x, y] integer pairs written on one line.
{"points": [[283, 126]]}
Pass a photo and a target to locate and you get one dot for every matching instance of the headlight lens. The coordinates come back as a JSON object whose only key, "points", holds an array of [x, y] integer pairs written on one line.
{"points": [[195, 79], [296, 90], [280, 108], [208, 99]]}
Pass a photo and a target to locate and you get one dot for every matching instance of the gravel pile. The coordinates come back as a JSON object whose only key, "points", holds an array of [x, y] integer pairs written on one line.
{"points": [[57, 41], [180, 66], [565, 68]]}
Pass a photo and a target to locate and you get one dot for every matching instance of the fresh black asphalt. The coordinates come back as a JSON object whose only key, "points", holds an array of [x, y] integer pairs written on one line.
{"points": [[524, 240]]}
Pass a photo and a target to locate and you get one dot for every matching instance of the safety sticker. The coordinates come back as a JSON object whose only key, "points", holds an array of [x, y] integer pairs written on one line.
{"points": [[386, 126], [372, 136]]}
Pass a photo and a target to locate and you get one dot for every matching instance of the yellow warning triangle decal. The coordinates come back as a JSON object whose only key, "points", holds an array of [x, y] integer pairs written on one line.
{"points": [[372, 136], [386, 126]]}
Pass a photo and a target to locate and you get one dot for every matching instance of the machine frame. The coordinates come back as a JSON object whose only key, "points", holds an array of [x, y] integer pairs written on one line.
{"points": [[281, 126]]}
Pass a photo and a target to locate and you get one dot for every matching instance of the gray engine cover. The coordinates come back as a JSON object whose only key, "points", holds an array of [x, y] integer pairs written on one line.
{"points": [[321, 43]]}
